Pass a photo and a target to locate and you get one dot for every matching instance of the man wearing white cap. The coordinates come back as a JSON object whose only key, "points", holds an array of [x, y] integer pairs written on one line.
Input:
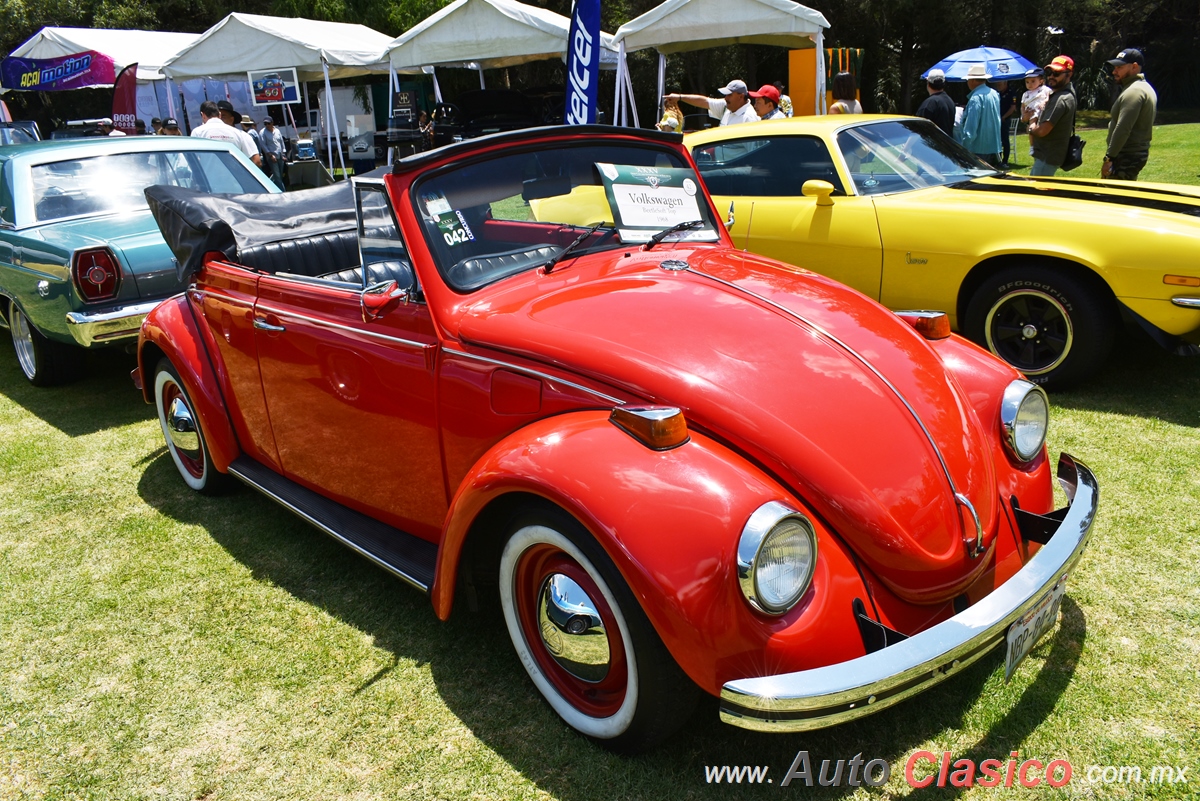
{"points": [[938, 108], [731, 108], [979, 128]]}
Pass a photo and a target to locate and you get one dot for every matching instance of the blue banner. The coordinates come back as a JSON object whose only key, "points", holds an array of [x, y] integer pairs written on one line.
{"points": [[583, 63]]}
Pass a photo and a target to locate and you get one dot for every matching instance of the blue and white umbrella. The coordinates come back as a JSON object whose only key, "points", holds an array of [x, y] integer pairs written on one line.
{"points": [[1001, 64]]}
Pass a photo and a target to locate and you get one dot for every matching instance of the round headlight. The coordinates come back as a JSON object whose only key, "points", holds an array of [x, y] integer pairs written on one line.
{"points": [[776, 557], [1025, 416]]}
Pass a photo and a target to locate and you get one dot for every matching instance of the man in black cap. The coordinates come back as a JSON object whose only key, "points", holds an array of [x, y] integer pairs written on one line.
{"points": [[1131, 123], [156, 126], [170, 127]]}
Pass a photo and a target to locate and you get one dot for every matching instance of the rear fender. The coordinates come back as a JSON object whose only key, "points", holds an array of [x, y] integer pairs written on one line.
{"points": [[670, 521], [170, 330]]}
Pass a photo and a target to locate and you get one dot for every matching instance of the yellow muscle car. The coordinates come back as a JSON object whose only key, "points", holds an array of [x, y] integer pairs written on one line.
{"points": [[1040, 271]]}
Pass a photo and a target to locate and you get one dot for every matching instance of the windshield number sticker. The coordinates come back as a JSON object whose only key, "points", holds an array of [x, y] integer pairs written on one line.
{"points": [[454, 228]]}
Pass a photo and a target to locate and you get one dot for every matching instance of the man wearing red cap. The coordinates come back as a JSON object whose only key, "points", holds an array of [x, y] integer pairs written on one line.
{"points": [[1052, 132], [766, 103]]}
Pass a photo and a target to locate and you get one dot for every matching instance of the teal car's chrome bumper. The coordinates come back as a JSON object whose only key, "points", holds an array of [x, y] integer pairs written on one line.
{"points": [[814, 699], [122, 322]]}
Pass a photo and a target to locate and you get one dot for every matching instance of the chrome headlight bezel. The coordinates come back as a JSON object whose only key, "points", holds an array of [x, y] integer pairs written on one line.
{"points": [[1016, 395], [756, 534]]}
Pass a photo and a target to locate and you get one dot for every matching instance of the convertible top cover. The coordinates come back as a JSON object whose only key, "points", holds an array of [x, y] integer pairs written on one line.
{"points": [[194, 223]]}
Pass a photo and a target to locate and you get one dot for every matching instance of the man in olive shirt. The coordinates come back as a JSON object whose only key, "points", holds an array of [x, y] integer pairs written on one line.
{"points": [[1132, 121], [1052, 132]]}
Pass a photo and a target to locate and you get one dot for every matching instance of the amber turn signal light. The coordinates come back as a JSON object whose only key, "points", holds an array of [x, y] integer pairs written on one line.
{"points": [[657, 427], [929, 324], [1181, 280]]}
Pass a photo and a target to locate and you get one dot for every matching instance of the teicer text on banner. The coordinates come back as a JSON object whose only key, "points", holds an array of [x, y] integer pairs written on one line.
{"points": [[583, 63]]}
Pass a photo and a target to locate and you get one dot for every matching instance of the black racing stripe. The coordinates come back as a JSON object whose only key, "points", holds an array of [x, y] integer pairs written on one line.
{"points": [[1091, 184], [1097, 197]]}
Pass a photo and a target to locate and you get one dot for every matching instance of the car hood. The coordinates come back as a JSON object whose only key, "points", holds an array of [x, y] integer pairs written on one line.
{"points": [[826, 389], [134, 238]]}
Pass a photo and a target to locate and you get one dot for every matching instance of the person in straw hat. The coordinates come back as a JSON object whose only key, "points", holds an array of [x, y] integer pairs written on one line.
{"points": [[979, 128]]}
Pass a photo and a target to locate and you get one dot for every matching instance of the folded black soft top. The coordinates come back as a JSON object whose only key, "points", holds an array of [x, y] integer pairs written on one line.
{"points": [[194, 223]]}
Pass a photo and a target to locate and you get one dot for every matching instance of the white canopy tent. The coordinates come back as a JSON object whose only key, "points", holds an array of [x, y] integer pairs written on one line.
{"points": [[678, 26], [242, 43], [148, 49], [486, 34]]}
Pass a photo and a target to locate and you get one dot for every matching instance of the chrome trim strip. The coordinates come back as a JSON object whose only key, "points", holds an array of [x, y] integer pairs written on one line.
{"points": [[813, 699], [395, 571], [530, 371], [122, 322], [1186, 302], [286, 313], [857, 356]]}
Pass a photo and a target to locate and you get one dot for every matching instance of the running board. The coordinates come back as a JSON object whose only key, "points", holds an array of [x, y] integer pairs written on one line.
{"points": [[410, 558]]}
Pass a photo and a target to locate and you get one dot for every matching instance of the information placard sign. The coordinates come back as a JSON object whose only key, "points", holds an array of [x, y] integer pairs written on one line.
{"points": [[647, 200]]}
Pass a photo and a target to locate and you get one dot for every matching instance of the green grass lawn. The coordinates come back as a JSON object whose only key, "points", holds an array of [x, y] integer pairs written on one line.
{"points": [[162, 645], [1174, 156]]}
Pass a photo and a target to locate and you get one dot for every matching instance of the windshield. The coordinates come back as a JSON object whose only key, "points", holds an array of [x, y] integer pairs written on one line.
{"points": [[518, 211], [899, 155], [108, 184]]}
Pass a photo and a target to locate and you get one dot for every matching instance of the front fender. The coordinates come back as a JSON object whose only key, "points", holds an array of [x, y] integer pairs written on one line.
{"points": [[670, 521], [170, 329]]}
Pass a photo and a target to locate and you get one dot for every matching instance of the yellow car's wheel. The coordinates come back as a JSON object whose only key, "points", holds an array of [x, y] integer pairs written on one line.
{"points": [[1043, 320]]}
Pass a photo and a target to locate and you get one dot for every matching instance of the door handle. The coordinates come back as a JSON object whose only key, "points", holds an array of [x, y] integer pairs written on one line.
{"points": [[262, 325]]}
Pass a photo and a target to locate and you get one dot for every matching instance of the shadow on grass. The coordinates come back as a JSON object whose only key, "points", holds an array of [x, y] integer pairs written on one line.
{"points": [[1140, 379], [480, 680], [103, 397]]}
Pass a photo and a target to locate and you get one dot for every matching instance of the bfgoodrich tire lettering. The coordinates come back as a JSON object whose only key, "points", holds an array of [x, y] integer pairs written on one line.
{"points": [[645, 696], [1050, 324]]}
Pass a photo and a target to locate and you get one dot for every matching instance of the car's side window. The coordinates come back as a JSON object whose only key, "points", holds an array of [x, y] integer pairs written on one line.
{"points": [[774, 166]]}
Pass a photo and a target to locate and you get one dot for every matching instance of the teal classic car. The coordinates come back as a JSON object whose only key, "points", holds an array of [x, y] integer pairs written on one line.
{"points": [[81, 259]]}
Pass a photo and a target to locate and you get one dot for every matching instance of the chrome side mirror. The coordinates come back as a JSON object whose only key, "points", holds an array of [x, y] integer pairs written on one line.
{"points": [[378, 299], [729, 219]]}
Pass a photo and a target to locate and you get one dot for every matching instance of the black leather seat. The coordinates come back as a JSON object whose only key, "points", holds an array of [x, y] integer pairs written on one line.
{"points": [[311, 256], [476, 271], [396, 270]]}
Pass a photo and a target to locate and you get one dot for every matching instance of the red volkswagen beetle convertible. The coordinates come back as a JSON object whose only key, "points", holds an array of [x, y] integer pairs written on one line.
{"points": [[535, 365]]}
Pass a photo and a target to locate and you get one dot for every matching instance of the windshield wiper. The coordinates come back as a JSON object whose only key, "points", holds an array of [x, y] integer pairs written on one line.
{"points": [[571, 248], [674, 229]]}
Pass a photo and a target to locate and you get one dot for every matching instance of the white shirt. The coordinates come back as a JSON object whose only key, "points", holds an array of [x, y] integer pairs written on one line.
{"points": [[217, 130], [719, 111]]}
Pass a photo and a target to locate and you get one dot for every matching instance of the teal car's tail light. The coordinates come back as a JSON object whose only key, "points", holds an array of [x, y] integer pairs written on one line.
{"points": [[776, 556], [96, 274], [1024, 416]]}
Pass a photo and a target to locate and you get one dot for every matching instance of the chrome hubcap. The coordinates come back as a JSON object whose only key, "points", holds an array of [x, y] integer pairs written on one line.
{"points": [[1029, 331], [23, 342], [572, 630], [181, 428]]}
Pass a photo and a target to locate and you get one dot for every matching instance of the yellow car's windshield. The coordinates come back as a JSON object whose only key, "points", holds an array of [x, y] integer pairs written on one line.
{"points": [[899, 155]]}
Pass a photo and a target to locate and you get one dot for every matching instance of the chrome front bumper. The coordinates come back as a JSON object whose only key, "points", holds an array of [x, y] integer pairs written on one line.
{"points": [[814, 699], [123, 322]]}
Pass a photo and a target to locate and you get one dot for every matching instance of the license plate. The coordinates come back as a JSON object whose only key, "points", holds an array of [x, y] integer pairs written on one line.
{"points": [[1024, 633]]}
